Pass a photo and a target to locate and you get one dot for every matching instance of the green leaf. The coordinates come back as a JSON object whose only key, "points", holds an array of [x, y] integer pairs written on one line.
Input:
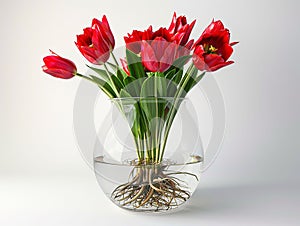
{"points": [[170, 74], [128, 80], [199, 77], [118, 84], [190, 83], [104, 86], [147, 89], [102, 73], [121, 74], [124, 94], [171, 88], [110, 93], [136, 125], [152, 92], [140, 123], [135, 65], [181, 61], [113, 81], [177, 77], [99, 81], [112, 66], [193, 80], [154, 86], [133, 85], [194, 72], [161, 84]]}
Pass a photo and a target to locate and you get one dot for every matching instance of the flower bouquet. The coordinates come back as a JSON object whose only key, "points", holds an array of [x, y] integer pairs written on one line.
{"points": [[148, 86]]}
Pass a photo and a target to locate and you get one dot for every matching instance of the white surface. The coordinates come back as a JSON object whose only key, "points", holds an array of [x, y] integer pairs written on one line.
{"points": [[255, 180], [79, 201]]}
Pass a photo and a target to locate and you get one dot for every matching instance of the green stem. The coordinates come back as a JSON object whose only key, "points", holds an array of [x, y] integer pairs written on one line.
{"points": [[112, 82], [156, 118], [101, 87], [148, 153], [87, 78], [114, 58], [142, 134], [174, 107]]}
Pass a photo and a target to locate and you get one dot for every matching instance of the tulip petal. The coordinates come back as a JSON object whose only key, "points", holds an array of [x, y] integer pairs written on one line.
{"points": [[159, 45], [173, 23], [225, 51], [106, 31], [189, 44], [187, 33], [125, 66], [233, 43], [212, 60], [88, 53], [58, 62], [164, 33], [168, 57], [216, 67], [181, 22], [198, 58], [59, 73], [149, 59]]}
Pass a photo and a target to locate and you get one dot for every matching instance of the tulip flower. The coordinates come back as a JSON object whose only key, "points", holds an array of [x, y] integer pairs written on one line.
{"points": [[96, 42], [158, 55], [178, 34], [104, 29], [133, 40], [213, 49], [59, 67], [162, 33], [180, 29]]}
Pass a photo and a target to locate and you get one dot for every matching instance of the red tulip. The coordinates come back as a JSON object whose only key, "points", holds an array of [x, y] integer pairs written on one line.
{"points": [[213, 49], [59, 67], [162, 33], [133, 40], [180, 29], [105, 31], [177, 23], [178, 32], [96, 42], [158, 55]]}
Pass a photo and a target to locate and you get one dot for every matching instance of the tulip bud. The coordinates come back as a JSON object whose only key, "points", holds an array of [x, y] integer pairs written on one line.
{"points": [[59, 67]]}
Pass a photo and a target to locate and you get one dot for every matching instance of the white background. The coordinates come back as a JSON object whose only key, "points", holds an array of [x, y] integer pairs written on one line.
{"points": [[255, 179]]}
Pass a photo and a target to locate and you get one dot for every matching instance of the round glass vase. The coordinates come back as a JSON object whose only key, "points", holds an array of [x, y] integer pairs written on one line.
{"points": [[150, 153]]}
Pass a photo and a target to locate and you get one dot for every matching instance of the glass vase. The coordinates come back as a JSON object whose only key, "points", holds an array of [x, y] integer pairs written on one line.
{"points": [[150, 153]]}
